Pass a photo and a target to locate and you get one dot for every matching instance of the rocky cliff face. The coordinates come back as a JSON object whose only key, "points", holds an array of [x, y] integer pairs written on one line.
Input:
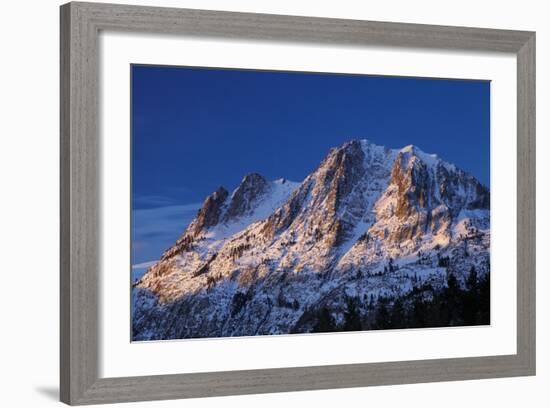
{"points": [[245, 198], [424, 196], [368, 222]]}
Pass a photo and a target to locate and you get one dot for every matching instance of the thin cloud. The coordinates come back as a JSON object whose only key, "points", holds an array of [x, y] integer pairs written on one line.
{"points": [[154, 200], [144, 265], [181, 189], [155, 229]]}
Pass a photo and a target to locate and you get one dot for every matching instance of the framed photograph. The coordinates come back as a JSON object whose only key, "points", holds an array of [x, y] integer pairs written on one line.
{"points": [[355, 197]]}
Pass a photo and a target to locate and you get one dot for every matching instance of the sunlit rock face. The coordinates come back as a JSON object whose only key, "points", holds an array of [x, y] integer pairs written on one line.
{"points": [[282, 257], [245, 198], [424, 195]]}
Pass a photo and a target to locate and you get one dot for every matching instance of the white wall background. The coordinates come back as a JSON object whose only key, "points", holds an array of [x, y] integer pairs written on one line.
{"points": [[29, 202]]}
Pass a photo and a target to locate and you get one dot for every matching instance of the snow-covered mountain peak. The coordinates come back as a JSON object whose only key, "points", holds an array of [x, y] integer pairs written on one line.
{"points": [[412, 152], [210, 212], [409, 152], [245, 197], [289, 248], [251, 179]]}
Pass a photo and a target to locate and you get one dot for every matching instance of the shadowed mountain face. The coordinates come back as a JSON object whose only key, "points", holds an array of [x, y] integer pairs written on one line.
{"points": [[371, 227]]}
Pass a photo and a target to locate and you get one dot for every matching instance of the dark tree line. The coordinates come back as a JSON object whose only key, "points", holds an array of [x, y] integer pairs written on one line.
{"points": [[424, 306]]}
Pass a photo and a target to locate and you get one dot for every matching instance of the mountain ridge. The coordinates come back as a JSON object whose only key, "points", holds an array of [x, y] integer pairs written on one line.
{"points": [[278, 249]]}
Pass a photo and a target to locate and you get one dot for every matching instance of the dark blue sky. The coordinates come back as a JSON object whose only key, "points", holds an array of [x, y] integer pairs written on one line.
{"points": [[196, 129]]}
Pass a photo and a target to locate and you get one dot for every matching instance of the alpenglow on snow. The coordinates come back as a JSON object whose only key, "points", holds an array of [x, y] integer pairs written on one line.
{"points": [[374, 238]]}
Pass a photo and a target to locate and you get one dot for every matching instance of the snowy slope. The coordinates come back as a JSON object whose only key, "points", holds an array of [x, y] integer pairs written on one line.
{"points": [[369, 222]]}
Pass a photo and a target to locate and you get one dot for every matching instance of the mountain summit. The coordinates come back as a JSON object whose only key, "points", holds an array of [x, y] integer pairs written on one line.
{"points": [[370, 224]]}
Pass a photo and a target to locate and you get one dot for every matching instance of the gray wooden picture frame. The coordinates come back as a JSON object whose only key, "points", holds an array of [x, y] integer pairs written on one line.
{"points": [[80, 234]]}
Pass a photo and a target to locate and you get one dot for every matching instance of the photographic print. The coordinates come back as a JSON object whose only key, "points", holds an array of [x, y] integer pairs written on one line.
{"points": [[277, 203]]}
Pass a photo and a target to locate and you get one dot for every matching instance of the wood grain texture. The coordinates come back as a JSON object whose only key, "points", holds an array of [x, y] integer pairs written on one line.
{"points": [[79, 204], [299, 29], [64, 205], [80, 234], [526, 194]]}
